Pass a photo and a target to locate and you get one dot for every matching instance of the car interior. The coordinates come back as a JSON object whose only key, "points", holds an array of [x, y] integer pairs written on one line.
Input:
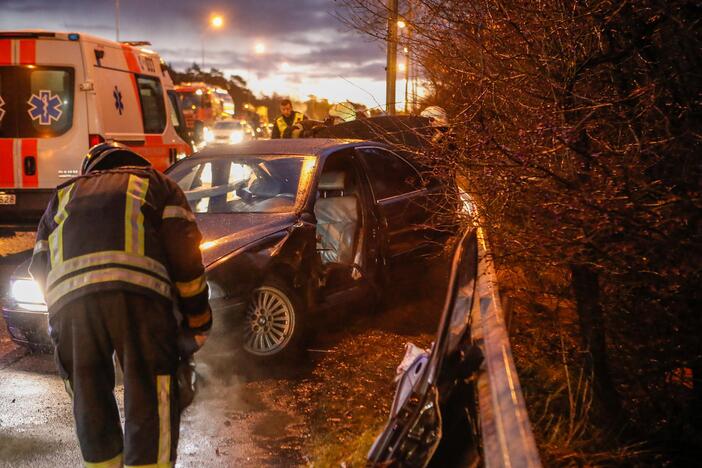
{"points": [[338, 213]]}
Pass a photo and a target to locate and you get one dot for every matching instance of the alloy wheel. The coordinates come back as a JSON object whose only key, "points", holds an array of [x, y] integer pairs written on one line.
{"points": [[270, 322]]}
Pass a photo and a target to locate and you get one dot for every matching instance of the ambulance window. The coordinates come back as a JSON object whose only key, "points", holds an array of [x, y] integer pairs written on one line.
{"points": [[50, 103], [36, 102], [152, 105], [8, 124], [173, 107]]}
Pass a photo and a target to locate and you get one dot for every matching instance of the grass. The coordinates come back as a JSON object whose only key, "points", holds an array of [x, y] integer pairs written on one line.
{"points": [[569, 429]]}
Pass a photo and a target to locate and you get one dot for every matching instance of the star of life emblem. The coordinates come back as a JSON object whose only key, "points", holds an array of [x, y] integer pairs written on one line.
{"points": [[45, 107]]}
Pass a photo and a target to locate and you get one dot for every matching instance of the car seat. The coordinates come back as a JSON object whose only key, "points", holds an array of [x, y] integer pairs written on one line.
{"points": [[336, 211]]}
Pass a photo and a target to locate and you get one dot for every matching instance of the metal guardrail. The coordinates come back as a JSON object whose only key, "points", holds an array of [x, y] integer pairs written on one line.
{"points": [[506, 433]]}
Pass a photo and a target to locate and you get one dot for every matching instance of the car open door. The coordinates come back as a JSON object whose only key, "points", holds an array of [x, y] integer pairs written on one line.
{"points": [[401, 198], [433, 418]]}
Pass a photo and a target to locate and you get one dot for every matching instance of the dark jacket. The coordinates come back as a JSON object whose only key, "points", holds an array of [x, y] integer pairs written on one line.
{"points": [[128, 229]]}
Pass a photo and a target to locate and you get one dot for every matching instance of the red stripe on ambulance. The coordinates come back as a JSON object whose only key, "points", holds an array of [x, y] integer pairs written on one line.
{"points": [[5, 52], [132, 63], [28, 51], [7, 166], [153, 140]]}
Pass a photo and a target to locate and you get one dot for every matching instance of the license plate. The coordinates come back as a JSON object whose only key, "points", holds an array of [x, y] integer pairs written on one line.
{"points": [[7, 199]]}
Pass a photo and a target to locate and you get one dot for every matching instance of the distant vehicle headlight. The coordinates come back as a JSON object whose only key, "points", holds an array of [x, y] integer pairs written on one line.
{"points": [[208, 135], [237, 136], [28, 295]]}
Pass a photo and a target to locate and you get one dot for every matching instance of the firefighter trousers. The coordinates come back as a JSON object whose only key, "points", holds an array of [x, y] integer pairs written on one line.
{"points": [[141, 332]]}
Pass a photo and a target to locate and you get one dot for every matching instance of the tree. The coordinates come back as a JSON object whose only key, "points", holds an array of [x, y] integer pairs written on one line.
{"points": [[577, 125]]}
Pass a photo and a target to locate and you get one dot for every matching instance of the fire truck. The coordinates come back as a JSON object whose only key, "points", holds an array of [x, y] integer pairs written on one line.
{"points": [[203, 105], [63, 92]]}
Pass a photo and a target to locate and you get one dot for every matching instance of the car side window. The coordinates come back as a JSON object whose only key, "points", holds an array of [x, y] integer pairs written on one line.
{"points": [[389, 174], [152, 104]]}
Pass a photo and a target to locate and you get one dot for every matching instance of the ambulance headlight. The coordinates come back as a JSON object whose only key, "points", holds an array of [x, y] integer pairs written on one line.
{"points": [[28, 295], [208, 135], [237, 136]]}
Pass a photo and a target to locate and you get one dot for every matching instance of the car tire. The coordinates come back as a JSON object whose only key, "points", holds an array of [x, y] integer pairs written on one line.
{"points": [[274, 325]]}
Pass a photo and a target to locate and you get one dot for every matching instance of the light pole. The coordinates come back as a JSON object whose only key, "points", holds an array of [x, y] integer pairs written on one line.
{"points": [[391, 69], [216, 22], [117, 20]]}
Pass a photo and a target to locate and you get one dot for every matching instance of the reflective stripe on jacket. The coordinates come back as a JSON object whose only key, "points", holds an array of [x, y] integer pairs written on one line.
{"points": [[128, 229], [282, 125]]}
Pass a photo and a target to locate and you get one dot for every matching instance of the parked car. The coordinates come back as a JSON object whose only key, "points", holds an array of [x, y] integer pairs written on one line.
{"points": [[292, 229]]}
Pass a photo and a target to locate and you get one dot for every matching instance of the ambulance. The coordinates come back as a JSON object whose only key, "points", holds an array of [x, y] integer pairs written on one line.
{"points": [[60, 94]]}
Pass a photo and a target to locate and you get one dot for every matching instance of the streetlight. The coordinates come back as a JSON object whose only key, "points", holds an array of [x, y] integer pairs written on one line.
{"points": [[401, 24], [216, 22]]}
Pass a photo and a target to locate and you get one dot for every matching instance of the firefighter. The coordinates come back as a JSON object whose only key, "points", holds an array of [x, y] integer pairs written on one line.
{"points": [[439, 121], [114, 248], [286, 120]]}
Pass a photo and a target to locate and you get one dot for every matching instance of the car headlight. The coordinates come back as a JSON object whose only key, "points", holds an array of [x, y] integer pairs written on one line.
{"points": [[208, 135], [28, 295], [236, 136]]}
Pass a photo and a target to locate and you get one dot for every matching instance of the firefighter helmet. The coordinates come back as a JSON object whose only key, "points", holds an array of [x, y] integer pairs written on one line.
{"points": [[105, 156], [436, 115]]}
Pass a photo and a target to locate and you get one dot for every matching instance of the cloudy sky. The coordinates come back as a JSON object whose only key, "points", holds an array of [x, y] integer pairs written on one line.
{"points": [[308, 50]]}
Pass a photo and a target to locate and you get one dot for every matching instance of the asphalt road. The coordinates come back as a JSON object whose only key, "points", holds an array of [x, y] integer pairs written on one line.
{"points": [[235, 420]]}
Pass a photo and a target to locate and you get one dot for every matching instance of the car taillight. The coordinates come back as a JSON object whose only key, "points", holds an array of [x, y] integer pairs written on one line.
{"points": [[95, 140]]}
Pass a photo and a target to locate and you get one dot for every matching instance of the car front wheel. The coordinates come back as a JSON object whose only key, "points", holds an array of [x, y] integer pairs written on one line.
{"points": [[273, 325]]}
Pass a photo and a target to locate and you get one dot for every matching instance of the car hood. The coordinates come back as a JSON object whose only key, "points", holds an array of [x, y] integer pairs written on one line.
{"points": [[224, 233]]}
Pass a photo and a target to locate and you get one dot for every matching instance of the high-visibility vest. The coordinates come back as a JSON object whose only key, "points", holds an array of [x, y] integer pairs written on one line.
{"points": [[282, 125], [121, 229]]}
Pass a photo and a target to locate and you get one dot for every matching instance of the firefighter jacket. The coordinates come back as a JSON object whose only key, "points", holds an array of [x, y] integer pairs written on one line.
{"points": [[128, 229], [283, 124]]}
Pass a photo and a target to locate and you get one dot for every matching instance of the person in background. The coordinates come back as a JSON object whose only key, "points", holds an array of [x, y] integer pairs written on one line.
{"points": [[283, 125], [439, 120]]}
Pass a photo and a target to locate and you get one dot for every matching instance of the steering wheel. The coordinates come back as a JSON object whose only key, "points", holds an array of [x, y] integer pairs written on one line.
{"points": [[245, 194]]}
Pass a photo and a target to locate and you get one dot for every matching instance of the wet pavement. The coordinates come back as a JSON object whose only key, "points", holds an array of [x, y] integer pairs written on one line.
{"points": [[243, 414]]}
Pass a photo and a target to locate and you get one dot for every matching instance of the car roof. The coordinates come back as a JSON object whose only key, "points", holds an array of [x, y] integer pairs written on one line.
{"points": [[302, 146]]}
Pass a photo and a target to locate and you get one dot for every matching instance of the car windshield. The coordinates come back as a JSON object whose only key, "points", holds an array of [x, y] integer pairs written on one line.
{"points": [[244, 184], [227, 125]]}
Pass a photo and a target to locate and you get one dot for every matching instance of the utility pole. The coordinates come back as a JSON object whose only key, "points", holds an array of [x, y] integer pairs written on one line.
{"points": [[117, 19], [391, 69]]}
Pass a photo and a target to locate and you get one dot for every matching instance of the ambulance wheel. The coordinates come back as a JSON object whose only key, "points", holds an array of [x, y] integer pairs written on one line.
{"points": [[274, 323]]}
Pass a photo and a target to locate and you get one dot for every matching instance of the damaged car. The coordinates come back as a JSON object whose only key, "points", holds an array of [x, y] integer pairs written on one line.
{"points": [[292, 229]]}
